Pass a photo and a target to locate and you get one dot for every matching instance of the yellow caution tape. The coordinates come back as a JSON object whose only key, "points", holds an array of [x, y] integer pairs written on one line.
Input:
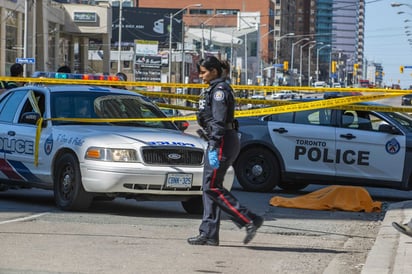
{"points": [[254, 88], [329, 103]]}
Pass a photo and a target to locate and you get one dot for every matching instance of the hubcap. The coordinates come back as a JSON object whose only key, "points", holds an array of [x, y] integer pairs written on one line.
{"points": [[66, 183], [257, 170]]}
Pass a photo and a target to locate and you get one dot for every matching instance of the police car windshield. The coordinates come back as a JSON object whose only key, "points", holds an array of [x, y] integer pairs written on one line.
{"points": [[105, 106]]}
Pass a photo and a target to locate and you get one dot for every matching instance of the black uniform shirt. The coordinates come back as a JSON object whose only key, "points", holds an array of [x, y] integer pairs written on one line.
{"points": [[216, 110]]}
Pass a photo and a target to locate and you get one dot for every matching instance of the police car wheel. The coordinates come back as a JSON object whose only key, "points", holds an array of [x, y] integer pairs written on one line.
{"points": [[193, 205], [257, 169], [292, 186], [69, 193]]}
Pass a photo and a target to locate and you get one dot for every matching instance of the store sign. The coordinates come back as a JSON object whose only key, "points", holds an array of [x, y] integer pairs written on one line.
{"points": [[148, 68], [146, 47], [84, 17]]}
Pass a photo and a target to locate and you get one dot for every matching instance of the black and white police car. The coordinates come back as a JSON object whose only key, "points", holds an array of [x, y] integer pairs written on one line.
{"points": [[325, 146], [64, 138]]}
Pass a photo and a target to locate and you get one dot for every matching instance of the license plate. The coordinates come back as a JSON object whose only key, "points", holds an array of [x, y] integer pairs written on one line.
{"points": [[179, 180]]}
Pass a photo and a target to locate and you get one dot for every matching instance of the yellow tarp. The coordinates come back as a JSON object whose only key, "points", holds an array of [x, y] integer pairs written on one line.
{"points": [[346, 198]]}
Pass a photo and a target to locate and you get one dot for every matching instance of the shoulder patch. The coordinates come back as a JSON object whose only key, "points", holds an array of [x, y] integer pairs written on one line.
{"points": [[219, 95]]}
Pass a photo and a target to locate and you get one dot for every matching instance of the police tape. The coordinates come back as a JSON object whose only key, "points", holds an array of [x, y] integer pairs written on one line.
{"points": [[255, 88], [302, 106], [254, 112]]}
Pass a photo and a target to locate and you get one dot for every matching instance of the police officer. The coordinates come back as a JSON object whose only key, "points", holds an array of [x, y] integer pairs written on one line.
{"points": [[216, 117]]}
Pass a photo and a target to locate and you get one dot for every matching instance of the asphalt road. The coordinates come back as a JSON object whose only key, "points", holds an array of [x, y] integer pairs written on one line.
{"points": [[127, 236]]}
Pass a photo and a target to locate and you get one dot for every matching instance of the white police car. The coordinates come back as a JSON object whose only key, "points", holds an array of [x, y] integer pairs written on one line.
{"points": [[325, 146], [85, 142]]}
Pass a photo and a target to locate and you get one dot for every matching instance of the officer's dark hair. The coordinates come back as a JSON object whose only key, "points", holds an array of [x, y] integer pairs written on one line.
{"points": [[226, 66], [211, 63], [64, 69], [122, 76], [16, 70]]}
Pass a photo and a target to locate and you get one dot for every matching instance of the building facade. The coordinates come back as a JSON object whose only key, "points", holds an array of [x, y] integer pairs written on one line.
{"points": [[52, 34], [258, 37]]}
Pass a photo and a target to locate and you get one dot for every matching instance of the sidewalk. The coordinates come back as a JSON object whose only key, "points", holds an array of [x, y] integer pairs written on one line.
{"points": [[392, 251]]}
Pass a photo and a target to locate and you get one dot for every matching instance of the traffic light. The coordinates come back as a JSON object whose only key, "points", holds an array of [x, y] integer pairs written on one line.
{"points": [[333, 66], [355, 66], [285, 65], [401, 69]]}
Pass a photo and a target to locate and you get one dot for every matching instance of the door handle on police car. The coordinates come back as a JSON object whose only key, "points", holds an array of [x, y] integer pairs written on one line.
{"points": [[11, 133], [280, 130], [348, 136]]}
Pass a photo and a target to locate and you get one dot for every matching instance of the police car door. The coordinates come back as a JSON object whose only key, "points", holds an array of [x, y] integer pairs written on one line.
{"points": [[22, 141], [305, 140], [365, 152]]}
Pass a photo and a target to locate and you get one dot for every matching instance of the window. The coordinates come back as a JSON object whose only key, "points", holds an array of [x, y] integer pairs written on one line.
{"points": [[30, 107], [9, 105], [357, 120], [227, 11], [314, 117], [201, 11]]}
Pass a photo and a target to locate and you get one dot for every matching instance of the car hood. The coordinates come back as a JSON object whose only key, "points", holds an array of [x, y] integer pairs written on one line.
{"points": [[124, 136]]}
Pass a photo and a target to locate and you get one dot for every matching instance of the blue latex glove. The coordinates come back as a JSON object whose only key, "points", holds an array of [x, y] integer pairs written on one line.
{"points": [[213, 159]]}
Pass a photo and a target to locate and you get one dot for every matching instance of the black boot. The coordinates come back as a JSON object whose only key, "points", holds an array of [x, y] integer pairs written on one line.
{"points": [[251, 229], [202, 239]]}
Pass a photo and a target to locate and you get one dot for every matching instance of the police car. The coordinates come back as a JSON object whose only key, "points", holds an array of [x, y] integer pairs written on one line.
{"points": [[85, 142], [325, 146]]}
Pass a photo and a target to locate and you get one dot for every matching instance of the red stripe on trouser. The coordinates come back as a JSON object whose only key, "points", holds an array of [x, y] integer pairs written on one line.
{"points": [[220, 194], [229, 205]]}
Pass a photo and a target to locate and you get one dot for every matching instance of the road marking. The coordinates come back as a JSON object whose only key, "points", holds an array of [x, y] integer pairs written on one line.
{"points": [[23, 219]]}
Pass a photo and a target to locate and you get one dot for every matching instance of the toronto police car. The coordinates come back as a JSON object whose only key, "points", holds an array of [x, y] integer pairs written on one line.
{"points": [[86, 141], [325, 146]]}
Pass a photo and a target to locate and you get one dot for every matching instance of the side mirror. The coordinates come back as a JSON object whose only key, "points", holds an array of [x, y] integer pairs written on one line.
{"points": [[182, 125], [388, 129], [31, 118]]}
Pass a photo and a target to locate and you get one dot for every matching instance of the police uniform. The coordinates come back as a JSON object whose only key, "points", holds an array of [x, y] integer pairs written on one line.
{"points": [[216, 117]]}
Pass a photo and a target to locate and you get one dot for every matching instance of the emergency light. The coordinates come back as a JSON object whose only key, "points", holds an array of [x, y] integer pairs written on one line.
{"points": [[77, 76]]}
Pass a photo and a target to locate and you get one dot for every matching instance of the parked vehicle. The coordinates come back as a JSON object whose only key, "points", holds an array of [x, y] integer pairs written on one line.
{"points": [[85, 142], [406, 100], [325, 146], [284, 94]]}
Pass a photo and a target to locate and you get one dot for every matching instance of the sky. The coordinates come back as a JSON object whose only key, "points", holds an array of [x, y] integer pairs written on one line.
{"points": [[386, 41]]}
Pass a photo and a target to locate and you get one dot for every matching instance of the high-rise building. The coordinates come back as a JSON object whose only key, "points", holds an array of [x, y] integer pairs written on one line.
{"points": [[348, 37]]}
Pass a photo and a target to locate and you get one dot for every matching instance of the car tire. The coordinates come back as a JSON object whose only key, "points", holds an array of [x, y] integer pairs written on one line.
{"points": [[257, 169], [69, 193], [292, 186], [193, 205]]}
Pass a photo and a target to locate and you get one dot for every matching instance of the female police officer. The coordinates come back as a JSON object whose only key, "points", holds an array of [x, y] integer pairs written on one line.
{"points": [[216, 117]]}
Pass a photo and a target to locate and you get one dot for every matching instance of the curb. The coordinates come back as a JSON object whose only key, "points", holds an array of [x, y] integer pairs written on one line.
{"points": [[392, 251]]}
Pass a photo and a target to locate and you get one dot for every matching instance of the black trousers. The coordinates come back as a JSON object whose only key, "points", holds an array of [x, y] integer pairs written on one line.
{"points": [[215, 196]]}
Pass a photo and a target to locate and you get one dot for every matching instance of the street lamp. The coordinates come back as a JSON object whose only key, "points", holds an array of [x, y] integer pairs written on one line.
{"points": [[300, 60], [402, 12], [309, 59], [170, 35], [317, 60], [395, 4], [291, 57], [276, 49], [119, 49], [202, 25]]}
